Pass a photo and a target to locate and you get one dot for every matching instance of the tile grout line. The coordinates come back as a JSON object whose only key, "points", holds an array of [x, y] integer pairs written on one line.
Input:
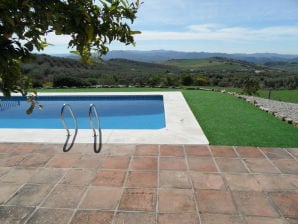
{"points": [[290, 154], [269, 160], [80, 202], [214, 161], [196, 201], [228, 189], [242, 160], [45, 198], [267, 194], [123, 188], [12, 194], [157, 186]]}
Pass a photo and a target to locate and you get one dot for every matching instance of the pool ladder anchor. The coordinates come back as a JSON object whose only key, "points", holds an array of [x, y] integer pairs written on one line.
{"points": [[96, 145], [66, 146]]}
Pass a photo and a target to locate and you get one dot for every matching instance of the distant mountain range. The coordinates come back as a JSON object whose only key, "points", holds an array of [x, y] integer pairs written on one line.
{"points": [[164, 55]]}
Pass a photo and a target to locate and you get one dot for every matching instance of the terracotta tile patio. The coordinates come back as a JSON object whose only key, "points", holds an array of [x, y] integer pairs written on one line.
{"points": [[148, 184]]}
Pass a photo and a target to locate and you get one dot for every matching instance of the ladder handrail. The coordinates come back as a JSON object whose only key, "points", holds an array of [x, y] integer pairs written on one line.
{"points": [[92, 110], [65, 148]]}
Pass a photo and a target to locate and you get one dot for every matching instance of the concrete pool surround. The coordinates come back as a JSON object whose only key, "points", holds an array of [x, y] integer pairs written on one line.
{"points": [[181, 126]]}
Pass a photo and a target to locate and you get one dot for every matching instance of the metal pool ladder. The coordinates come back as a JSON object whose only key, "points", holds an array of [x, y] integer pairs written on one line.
{"points": [[66, 148], [93, 111]]}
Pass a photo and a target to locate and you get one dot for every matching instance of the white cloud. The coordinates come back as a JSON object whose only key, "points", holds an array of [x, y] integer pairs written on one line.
{"points": [[217, 32], [57, 39]]}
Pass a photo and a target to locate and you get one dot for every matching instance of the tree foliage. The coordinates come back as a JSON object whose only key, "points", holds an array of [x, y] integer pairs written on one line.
{"points": [[91, 25], [250, 86]]}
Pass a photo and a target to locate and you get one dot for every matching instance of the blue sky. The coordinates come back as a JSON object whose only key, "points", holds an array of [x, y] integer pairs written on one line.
{"points": [[230, 26]]}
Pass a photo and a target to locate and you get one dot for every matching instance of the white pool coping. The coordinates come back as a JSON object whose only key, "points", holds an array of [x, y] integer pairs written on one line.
{"points": [[181, 126]]}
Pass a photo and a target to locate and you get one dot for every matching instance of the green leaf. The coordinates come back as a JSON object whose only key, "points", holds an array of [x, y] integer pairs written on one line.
{"points": [[29, 46], [124, 3]]}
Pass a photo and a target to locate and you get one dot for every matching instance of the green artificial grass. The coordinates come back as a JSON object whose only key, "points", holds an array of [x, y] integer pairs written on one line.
{"points": [[227, 120]]}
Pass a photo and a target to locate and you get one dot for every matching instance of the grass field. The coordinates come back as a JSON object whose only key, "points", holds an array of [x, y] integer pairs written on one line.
{"points": [[281, 95], [227, 120], [206, 64]]}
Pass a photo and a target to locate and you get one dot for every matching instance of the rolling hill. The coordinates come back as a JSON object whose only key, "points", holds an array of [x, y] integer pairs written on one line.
{"points": [[51, 71]]}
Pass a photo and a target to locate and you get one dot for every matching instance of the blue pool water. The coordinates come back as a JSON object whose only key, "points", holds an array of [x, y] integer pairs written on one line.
{"points": [[115, 112]]}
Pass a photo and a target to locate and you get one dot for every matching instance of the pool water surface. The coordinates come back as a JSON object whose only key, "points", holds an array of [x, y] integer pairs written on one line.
{"points": [[115, 112]]}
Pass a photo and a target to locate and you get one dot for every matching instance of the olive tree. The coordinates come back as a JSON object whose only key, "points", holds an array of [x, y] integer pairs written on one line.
{"points": [[91, 24]]}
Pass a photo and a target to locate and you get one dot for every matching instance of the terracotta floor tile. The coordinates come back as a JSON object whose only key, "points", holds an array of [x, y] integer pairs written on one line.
{"points": [[47, 176], [80, 148], [135, 218], [28, 173], [13, 160], [50, 216], [109, 178], [4, 170], [177, 218], [242, 182], [172, 150], [215, 201], [50, 149], [277, 182], [7, 190], [197, 150], [288, 166], [146, 150], [249, 152], [207, 181], [223, 151], [18, 175], [79, 177], [64, 196], [264, 220], [176, 200], [174, 179], [287, 203], [144, 163], [292, 221], [89, 161], [201, 164], [221, 219], [140, 199], [231, 165], [102, 198], [92, 217], [14, 215], [66, 160], [276, 153], [260, 166], [141, 179], [7, 147], [120, 150], [25, 148], [30, 195], [115, 162], [172, 163], [253, 203], [35, 160]]}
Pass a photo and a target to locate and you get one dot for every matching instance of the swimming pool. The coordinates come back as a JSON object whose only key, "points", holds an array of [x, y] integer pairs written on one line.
{"points": [[116, 112], [181, 125]]}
